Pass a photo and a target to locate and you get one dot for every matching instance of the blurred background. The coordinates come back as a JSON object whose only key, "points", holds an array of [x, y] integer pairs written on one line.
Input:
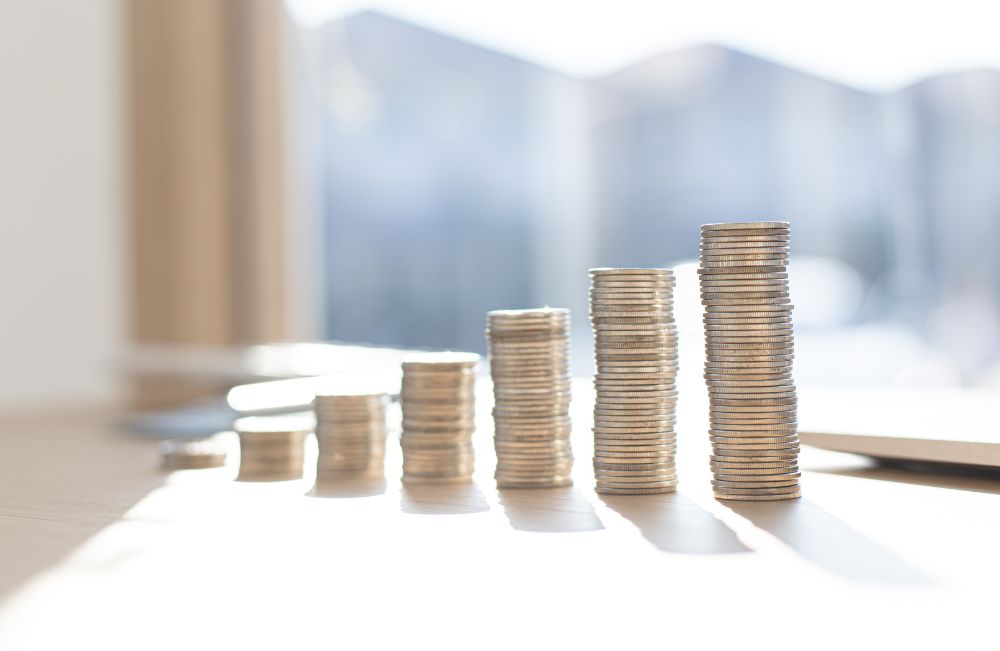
{"points": [[181, 180]]}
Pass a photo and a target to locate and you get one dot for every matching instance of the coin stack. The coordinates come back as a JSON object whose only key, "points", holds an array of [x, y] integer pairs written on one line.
{"points": [[439, 411], [636, 353], [529, 364], [179, 454], [350, 431], [272, 448], [748, 337]]}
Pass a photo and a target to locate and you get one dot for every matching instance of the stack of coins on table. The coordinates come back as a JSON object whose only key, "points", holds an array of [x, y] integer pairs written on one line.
{"points": [[748, 338], [636, 354], [350, 431], [529, 364], [179, 454], [272, 448], [439, 412]]}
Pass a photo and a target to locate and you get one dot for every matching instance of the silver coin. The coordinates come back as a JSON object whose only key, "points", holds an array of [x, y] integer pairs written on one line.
{"points": [[640, 359], [636, 429], [748, 341], [612, 440], [658, 484], [630, 389], [725, 420], [718, 429], [632, 417], [728, 266], [633, 457], [730, 377], [751, 309], [751, 401], [723, 244], [744, 294], [780, 386], [757, 455], [723, 411], [600, 411], [743, 226], [658, 330], [759, 498], [626, 465], [752, 467], [770, 329], [753, 438], [744, 275], [717, 393], [733, 368], [770, 251], [747, 363], [745, 474], [630, 298], [641, 271], [608, 412], [749, 240], [755, 449], [735, 259], [755, 491], [635, 477], [657, 423], [757, 241], [606, 300], [755, 481]]}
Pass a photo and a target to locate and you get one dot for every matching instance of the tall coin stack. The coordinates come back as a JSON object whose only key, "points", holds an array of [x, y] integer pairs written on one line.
{"points": [[439, 412], [748, 339], [272, 448], [529, 364], [636, 354], [350, 431]]}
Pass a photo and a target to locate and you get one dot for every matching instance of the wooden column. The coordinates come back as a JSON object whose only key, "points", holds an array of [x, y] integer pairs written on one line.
{"points": [[207, 163]]}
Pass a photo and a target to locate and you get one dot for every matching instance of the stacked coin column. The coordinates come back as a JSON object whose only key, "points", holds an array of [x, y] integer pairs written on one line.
{"points": [[350, 431], [636, 354], [439, 412], [272, 448], [748, 338], [529, 364]]}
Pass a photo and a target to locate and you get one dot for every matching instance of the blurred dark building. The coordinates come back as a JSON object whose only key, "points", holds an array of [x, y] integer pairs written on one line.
{"points": [[709, 134], [439, 166], [947, 141], [459, 180]]}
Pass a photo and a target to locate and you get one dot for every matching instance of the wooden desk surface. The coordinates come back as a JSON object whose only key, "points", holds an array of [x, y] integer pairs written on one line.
{"points": [[99, 549]]}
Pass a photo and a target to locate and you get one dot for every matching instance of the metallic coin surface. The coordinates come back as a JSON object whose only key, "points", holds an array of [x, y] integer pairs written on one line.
{"points": [[749, 352], [530, 369]]}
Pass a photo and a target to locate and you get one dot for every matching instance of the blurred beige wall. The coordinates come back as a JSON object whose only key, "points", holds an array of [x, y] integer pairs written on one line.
{"points": [[62, 284]]}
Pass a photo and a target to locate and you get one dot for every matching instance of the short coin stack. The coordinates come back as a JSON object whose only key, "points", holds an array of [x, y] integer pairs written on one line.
{"points": [[636, 354], [272, 448], [439, 412], [180, 454], [529, 364], [350, 431], [748, 337]]}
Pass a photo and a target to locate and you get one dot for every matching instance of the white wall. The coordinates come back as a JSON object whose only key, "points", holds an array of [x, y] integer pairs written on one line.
{"points": [[62, 290]]}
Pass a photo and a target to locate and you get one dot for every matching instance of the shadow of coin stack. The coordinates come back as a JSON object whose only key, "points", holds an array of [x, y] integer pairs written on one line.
{"points": [[636, 354], [529, 364], [748, 340], [272, 448], [439, 411], [350, 432]]}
